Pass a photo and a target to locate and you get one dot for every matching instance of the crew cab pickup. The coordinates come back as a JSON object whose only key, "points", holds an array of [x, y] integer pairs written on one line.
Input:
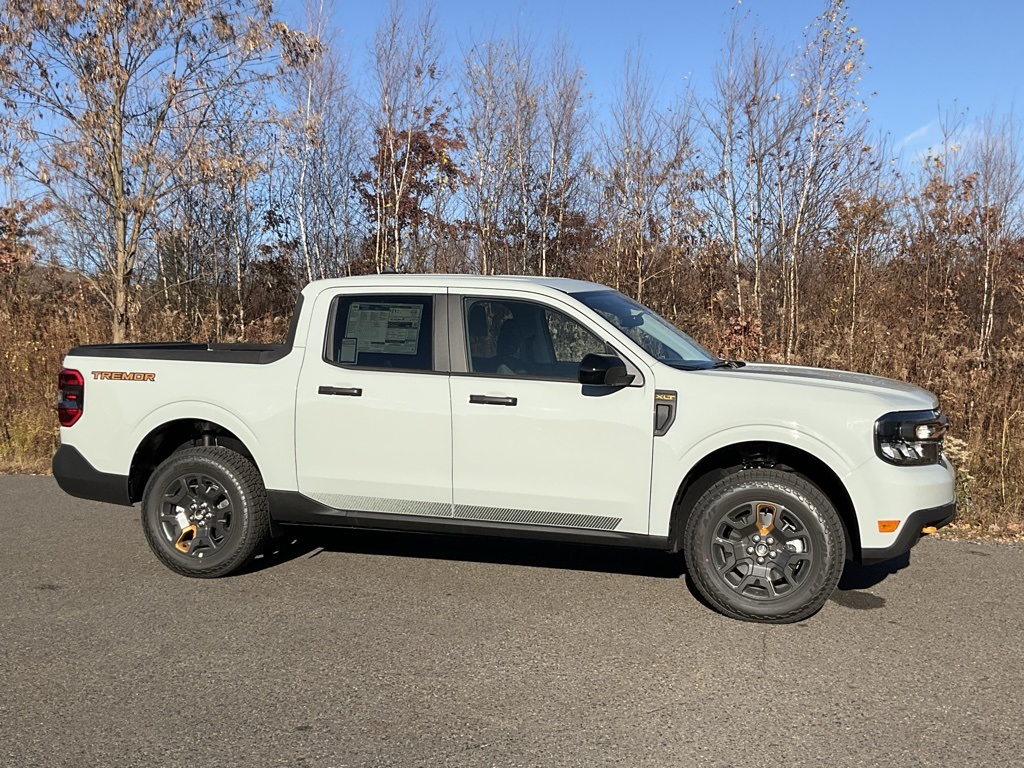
{"points": [[510, 406]]}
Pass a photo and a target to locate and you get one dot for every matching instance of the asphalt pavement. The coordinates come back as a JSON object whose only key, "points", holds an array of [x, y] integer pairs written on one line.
{"points": [[383, 649]]}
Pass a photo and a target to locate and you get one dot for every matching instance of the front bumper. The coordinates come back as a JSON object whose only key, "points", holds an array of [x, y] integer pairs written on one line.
{"points": [[916, 496], [910, 533]]}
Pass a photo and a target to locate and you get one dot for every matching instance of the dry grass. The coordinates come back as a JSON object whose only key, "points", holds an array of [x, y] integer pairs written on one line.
{"points": [[47, 311], [46, 314]]}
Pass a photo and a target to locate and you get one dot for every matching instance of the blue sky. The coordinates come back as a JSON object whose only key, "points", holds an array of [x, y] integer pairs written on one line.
{"points": [[922, 55]]}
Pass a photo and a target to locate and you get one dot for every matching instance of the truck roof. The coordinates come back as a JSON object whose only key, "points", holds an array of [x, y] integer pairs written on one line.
{"points": [[565, 285]]}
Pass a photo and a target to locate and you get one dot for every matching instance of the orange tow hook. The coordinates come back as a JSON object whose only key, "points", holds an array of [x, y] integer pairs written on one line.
{"points": [[764, 517], [187, 534]]}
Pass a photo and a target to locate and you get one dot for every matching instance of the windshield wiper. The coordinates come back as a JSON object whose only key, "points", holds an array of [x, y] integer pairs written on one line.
{"points": [[686, 366], [728, 364]]}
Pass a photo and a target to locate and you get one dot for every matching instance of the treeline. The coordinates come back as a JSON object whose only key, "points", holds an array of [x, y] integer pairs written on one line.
{"points": [[182, 172]]}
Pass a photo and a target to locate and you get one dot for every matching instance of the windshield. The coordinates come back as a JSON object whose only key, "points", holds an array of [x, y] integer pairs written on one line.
{"points": [[657, 336]]}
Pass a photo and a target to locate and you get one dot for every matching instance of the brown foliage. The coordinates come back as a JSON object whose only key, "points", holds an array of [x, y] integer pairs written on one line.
{"points": [[763, 217], [104, 102]]}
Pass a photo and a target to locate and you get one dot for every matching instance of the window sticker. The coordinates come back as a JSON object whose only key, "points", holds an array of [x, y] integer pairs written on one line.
{"points": [[392, 329], [349, 353]]}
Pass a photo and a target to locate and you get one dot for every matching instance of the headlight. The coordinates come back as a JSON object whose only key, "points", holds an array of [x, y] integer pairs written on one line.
{"points": [[910, 438]]}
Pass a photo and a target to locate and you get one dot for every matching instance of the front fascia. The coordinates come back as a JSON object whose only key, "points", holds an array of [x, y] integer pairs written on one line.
{"points": [[882, 491]]}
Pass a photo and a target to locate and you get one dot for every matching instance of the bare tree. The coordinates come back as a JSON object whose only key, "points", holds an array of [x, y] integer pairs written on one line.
{"points": [[862, 235], [994, 154], [564, 121], [97, 88], [486, 106], [412, 135], [824, 118], [642, 151], [323, 142], [745, 144]]}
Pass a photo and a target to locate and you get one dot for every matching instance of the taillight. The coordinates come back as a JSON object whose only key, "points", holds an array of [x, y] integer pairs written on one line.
{"points": [[70, 396]]}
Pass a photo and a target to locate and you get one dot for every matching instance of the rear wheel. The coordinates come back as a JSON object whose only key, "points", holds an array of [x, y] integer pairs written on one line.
{"points": [[204, 512], [765, 545]]}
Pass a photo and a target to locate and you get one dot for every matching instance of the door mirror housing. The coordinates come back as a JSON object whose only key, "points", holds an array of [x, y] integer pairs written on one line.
{"points": [[604, 371]]}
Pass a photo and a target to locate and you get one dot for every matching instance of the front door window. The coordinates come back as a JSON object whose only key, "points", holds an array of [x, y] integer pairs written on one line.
{"points": [[525, 339]]}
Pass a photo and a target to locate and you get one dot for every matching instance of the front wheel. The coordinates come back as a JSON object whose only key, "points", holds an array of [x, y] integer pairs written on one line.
{"points": [[205, 513], [765, 545]]}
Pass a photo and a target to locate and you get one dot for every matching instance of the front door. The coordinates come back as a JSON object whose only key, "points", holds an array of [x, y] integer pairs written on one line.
{"points": [[530, 444], [372, 413]]}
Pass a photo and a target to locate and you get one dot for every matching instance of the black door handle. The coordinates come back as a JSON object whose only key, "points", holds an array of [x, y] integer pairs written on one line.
{"points": [[488, 400], [347, 391]]}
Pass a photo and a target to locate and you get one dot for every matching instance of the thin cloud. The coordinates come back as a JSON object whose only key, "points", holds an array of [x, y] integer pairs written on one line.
{"points": [[915, 137]]}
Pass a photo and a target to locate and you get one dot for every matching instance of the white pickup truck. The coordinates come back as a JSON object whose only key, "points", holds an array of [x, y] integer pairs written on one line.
{"points": [[511, 406]]}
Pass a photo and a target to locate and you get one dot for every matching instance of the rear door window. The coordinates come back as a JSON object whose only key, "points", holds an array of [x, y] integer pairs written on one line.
{"points": [[381, 332]]}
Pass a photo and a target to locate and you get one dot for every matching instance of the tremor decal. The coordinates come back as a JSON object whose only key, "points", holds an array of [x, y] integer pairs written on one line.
{"points": [[123, 376]]}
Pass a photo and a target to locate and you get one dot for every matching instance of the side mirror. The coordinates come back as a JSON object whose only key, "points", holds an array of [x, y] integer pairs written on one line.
{"points": [[604, 371]]}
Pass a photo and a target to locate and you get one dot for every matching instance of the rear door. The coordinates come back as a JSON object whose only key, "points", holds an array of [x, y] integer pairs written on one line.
{"points": [[531, 445], [373, 410]]}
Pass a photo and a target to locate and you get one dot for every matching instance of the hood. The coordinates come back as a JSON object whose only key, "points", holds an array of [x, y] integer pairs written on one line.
{"points": [[900, 394]]}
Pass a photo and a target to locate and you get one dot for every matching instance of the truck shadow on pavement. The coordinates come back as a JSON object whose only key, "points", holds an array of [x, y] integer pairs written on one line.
{"points": [[856, 580], [477, 549], [851, 592]]}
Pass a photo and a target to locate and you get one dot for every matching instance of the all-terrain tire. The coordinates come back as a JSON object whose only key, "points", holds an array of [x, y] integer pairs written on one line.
{"points": [[738, 571], [221, 495]]}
